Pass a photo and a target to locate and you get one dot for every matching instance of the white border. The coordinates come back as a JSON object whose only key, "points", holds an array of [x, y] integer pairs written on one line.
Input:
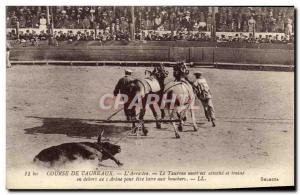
{"points": [[3, 190]]}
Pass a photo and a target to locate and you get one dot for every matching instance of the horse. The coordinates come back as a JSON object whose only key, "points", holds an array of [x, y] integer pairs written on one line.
{"points": [[178, 97], [151, 85]]}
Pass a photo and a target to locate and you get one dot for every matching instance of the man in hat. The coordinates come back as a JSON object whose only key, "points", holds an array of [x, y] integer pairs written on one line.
{"points": [[43, 23], [204, 95], [123, 87]]}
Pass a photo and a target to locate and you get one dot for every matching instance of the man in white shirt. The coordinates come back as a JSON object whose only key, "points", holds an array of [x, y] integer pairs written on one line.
{"points": [[43, 24], [251, 25], [204, 95]]}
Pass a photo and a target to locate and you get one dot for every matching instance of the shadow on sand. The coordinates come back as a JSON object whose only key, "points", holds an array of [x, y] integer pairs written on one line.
{"points": [[75, 128]]}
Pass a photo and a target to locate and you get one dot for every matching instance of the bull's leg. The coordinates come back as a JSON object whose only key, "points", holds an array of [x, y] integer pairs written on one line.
{"points": [[171, 113], [110, 156]]}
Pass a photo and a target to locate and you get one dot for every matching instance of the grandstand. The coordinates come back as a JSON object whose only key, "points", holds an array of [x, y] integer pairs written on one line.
{"points": [[130, 34], [150, 23]]}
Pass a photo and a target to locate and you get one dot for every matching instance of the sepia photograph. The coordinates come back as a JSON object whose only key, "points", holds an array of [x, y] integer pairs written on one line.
{"points": [[154, 97]]}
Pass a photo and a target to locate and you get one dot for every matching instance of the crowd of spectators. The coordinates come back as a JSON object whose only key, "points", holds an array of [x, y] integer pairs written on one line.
{"points": [[178, 22], [228, 19], [238, 37], [106, 36]]}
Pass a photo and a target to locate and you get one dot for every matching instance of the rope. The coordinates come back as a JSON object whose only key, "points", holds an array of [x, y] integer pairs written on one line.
{"points": [[139, 126], [114, 113]]}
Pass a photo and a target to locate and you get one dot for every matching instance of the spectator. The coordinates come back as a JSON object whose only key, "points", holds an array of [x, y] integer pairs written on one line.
{"points": [[86, 24], [22, 22], [233, 26], [34, 21], [202, 23], [259, 24], [124, 26], [251, 24], [209, 22], [289, 27], [148, 24], [183, 20], [166, 25], [172, 21], [177, 25], [280, 24], [43, 24], [157, 21], [196, 25], [272, 24], [245, 26], [239, 22]]}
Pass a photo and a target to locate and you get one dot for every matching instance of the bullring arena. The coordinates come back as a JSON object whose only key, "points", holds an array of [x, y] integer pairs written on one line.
{"points": [[53, 93], [255, 120]]}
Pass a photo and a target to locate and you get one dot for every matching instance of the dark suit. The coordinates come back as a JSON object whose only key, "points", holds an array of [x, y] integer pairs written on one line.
{"points": [[124, 86]]}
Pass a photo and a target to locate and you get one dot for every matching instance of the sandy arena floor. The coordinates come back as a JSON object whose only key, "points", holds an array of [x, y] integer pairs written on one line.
{"points": [[255, 119]]}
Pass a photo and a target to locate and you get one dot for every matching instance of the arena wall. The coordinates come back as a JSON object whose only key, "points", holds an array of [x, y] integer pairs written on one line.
{"points": [[157, 53]]}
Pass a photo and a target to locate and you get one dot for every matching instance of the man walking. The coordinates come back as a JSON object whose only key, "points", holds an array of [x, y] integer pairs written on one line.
{"points": [[204, 95], [123, 87]]}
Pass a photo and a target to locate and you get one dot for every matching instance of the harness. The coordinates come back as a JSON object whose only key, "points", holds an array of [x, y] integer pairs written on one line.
{"points": [[146, 85], [182, 82], [154, 84], [175, 84], [150, 84]]}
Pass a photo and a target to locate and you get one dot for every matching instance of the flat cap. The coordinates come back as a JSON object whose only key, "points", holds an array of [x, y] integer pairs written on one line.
{"points": [[198, 73], [128, 71]]}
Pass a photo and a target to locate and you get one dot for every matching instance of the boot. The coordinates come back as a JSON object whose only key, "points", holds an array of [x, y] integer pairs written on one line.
{"points": [[213, 122], [158, 124]]}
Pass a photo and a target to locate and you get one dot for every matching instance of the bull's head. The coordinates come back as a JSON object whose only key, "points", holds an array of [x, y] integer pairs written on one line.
{"points": [[109, 148]]}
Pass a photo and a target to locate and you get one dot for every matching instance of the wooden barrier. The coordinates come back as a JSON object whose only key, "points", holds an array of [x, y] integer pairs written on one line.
{"points": [[204, 55]]}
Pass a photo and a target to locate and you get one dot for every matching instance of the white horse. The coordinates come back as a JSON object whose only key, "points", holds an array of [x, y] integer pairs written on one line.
{"points": [[179, 98]]}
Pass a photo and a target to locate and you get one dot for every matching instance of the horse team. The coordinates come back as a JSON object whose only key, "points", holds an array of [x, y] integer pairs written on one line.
{"points": [[175, 97]]}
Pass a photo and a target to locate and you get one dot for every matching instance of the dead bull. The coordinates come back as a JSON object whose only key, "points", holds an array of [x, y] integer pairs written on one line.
{"points": [[68, 152]]}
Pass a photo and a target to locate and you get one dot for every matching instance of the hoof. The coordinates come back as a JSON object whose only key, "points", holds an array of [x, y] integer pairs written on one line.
{"points": [[196, 128], [145, 132], [120, 164], [180, 128], [177, 136], [158, 126]]}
